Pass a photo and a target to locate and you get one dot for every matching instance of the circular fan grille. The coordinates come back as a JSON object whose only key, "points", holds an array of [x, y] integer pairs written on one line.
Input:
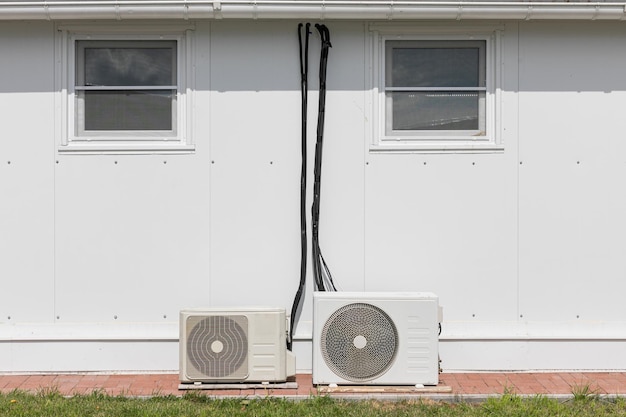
{"points": [[217, 346], [359, 342]]}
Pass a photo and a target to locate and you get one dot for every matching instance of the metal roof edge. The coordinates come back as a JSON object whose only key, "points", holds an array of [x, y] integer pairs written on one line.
{"points": [[308, 9]]}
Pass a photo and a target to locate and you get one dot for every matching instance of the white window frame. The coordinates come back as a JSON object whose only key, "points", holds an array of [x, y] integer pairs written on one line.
{"points": [[384, 140], [72, 137]]}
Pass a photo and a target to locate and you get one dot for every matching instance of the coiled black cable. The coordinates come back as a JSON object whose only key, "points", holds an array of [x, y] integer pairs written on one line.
{"points": [[321, 272], [304, 70]]}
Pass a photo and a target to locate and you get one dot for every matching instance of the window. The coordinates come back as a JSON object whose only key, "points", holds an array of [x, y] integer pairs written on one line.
{"points": [[436, 93], [125, 92], [125, 88], [435, 86]]}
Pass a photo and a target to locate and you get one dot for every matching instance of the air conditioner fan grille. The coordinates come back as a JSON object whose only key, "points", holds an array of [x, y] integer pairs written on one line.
{"points": [[217, 347], [359, 342]]}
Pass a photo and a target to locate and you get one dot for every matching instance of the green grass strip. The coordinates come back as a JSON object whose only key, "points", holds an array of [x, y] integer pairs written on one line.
{"points": [[52, 404]]}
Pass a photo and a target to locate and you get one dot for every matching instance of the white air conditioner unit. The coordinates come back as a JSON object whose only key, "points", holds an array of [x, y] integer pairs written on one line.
{"points": [[364, 338], [234, 345]]}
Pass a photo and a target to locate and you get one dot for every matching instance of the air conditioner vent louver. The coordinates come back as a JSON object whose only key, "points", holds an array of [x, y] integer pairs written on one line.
{"points": [[233, 345], [217, 346], [359, 342]]}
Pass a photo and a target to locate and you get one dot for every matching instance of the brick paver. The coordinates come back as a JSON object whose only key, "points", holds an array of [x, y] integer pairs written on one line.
{"points": [[461, 384]]}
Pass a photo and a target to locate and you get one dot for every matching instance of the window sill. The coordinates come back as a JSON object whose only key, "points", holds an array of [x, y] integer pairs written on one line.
{"points": [[126, 148], [459, 147]]}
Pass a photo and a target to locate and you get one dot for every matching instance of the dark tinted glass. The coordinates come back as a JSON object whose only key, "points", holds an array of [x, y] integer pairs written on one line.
{"points": [[131, 65], [435, 110], [435, 66], [128, 110]]}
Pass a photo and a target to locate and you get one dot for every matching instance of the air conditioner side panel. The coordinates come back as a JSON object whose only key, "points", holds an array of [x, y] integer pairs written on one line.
{"points": [[415, 316], [267, 348]]}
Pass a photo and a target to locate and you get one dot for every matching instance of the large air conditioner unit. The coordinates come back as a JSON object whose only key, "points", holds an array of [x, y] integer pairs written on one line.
{"points": [[234, 345], [364, 338]]}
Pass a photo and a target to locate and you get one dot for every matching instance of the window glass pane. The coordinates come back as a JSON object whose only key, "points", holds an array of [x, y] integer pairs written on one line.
{"points": [[128, 110], [436, 110], [436, 65], [134, 64]]}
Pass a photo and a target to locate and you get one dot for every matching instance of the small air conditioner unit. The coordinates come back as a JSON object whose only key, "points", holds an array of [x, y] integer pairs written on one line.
{"points": [[234, 345], [375, 338]]}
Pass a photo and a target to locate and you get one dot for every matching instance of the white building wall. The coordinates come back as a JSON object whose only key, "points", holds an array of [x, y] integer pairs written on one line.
{"points": [[571, 200], [26, 173], [254, 161], [98, 253]]}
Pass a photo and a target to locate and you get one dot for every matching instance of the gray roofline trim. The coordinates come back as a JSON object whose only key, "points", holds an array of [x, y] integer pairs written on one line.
{"points": [[308, 9]]}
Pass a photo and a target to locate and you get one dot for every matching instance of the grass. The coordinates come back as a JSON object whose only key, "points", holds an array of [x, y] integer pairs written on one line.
{"points": [[584, 392], [98, 404]]}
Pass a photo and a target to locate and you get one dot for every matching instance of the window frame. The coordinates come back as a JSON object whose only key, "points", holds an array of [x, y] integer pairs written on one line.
{"points": [[73, 138], [384, 139], [79, 103]]}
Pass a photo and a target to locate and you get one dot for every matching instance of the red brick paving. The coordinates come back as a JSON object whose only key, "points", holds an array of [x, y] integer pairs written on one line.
{"points": [[548, 383], [535, 383]]}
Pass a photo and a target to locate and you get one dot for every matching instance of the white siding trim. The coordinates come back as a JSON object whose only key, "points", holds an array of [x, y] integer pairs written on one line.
{"points": [[89, 332], [310, 9]]}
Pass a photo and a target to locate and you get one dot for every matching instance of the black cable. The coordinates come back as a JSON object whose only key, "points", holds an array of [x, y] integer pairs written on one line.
{"points": [[321, 272], [317, 274], [304, 70]]}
